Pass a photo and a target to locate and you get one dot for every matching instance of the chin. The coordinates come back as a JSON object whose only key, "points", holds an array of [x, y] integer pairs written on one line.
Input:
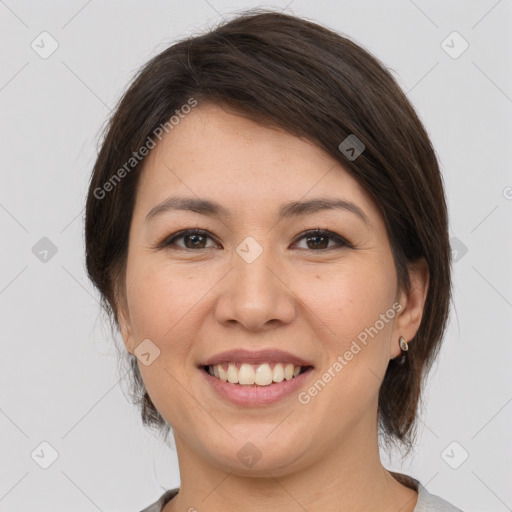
{"points": [[257, 455]]}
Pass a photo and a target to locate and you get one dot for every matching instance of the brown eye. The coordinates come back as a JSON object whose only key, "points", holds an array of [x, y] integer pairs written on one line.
{"points": [[318, 239], [192, 238]]}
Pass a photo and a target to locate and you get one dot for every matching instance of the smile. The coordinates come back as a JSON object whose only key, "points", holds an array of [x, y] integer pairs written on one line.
{"points": [[246, 374], [256, 395]]}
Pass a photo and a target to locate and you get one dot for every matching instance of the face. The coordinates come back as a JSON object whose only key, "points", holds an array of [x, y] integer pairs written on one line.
{"points": [[256, 278]]}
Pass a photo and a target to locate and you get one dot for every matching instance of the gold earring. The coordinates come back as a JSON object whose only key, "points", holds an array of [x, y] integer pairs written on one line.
{"points": [[403, 344]]}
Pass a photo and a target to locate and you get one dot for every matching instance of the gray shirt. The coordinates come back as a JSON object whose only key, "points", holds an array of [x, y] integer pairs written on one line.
{"points": [[426, 502]]}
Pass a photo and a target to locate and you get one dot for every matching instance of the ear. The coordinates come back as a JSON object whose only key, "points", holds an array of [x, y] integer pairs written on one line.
{"points": [[126, 331], [123, 318], [408, 320]]}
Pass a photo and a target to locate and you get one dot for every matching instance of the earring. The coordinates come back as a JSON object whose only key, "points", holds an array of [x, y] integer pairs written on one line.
{"points": [[404, 347], [403, 344]]}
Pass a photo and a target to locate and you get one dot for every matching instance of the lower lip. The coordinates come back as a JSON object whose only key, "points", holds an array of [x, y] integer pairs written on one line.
{"points": [[247, 395]]}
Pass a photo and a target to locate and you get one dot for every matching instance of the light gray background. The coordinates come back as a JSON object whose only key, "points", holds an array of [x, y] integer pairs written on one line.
{"points": [[58, 372]]}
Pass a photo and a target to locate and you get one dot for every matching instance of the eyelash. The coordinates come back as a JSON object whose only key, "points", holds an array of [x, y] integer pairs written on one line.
{"points": [[169, 241]]}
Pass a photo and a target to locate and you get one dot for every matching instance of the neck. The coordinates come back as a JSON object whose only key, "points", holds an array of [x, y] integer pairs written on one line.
{"points": [[350, 478]]}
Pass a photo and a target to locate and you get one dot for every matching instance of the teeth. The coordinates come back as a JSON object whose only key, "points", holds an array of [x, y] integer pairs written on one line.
{"points": [[288, 371], [232, 374], [263, 375], [278, 373], [223, 374], [248, 374]]}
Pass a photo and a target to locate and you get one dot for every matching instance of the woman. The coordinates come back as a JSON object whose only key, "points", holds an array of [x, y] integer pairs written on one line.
{"points": [[267, 227]]}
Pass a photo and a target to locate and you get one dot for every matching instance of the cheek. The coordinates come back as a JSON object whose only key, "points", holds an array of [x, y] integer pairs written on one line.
{"points": [[163, 304], [349, 298], [159, 296], [347, 306]]}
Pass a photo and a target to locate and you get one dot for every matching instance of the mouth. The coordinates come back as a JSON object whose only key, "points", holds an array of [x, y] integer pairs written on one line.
{"points": [[249, 379], [264, 374]]}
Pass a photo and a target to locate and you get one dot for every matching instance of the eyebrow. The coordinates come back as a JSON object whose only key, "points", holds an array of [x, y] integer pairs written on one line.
{"points": [[287, 210]]}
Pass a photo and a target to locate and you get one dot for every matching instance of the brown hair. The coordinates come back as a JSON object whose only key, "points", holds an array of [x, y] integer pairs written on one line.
{"points": [[287, 72]]}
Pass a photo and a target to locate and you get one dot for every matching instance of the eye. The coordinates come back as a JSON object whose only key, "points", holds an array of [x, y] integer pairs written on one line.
{"points": [[318, 239], [193, 238]]}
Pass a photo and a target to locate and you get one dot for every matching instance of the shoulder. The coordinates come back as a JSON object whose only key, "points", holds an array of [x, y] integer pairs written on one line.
{"points": [[431, 503], [159, 504]]}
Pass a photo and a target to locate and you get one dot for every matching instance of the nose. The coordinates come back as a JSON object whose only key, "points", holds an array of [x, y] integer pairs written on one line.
{"points": [[255, 294]]}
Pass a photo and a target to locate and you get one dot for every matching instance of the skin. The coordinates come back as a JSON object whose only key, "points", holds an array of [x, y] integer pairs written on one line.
{"points": [[196, 302]]}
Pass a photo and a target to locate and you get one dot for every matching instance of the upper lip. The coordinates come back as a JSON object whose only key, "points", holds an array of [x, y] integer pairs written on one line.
{"points": [[255, 357]]}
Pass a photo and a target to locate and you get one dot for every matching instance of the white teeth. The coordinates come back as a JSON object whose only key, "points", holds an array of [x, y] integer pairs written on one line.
{"points": [[278, 373], [232, 374], [223, 374], [261, 375], [288, 371], [246, 374]]}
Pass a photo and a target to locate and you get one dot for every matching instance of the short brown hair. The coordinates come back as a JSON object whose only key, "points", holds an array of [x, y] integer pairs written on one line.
{"points": [[288, 72]]}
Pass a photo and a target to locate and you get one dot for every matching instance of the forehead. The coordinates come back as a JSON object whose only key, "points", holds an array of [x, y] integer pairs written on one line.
{"points": [[222, 155]]}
